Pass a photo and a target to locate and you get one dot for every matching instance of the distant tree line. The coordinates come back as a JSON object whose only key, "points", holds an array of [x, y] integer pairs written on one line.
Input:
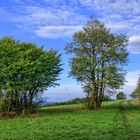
{"points": [[78, 101]]}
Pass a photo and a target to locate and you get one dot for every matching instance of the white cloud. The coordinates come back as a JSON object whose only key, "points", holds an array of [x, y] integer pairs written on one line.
{"points": [[48, 22], [119, 27], [87, 2], [42, 16], [57, 31], [134, 44], [131, 78], [111, 6]]}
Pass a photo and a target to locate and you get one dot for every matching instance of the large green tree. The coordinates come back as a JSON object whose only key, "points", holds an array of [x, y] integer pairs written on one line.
{"points": [[97, 62], [25, 72]]}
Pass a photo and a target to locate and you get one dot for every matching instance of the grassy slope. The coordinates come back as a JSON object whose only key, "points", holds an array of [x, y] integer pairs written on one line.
{"points": [[116, 120]]}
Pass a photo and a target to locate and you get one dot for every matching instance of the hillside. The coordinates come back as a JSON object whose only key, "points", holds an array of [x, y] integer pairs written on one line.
{"points": [[115, 120]]}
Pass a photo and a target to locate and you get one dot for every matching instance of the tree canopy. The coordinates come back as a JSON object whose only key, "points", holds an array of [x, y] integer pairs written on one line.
{"points": [[121, 96], [98, 61], [25, 72]]}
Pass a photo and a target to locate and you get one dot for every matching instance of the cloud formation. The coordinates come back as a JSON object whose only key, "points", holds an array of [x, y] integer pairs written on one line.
{"points": [[134, 44], [60, 19], [57, 31]]}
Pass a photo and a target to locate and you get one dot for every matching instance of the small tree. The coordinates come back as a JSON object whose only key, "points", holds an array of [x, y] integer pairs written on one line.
{"points": [[136, 93], [25, 72], [138, 88], [97, 61], [121, 96]]}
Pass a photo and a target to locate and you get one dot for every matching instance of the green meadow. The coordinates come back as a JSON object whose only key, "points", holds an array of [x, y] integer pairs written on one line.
{"points": [[116, 120]]}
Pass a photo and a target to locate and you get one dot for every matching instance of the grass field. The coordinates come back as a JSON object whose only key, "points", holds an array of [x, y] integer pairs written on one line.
{"points": [[116, 120]]}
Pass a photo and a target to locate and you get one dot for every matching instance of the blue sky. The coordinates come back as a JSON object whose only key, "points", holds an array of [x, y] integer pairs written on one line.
{"points": [[51, 23]]}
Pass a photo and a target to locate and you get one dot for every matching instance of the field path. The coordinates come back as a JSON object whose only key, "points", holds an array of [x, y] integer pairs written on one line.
{"points": [[124, 108]]}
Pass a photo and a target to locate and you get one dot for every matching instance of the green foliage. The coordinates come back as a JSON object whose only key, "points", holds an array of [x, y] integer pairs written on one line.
{"points": [[136, 93], [97, 61], [138, 88], [26, 71], [121, 96]]}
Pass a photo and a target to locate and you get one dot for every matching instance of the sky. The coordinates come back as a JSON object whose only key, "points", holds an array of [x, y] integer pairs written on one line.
{"points": [[52, 23]]}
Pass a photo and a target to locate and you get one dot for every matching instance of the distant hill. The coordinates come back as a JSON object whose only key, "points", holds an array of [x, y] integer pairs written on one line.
{"points": [[74, 101]]}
